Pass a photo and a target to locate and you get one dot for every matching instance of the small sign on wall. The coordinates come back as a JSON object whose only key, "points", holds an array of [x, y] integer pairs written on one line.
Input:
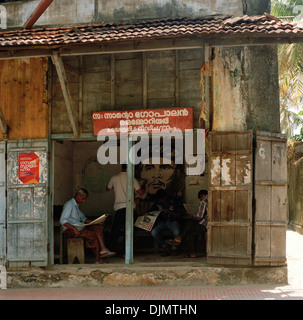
{"points": [[28, 168]]}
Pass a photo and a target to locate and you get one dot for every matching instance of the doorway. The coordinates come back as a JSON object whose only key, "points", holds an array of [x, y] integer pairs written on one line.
{"points": [[75, 165]]}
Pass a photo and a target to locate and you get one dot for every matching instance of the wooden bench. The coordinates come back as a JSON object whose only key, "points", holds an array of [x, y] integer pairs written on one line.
{"points": [[75, 250]]}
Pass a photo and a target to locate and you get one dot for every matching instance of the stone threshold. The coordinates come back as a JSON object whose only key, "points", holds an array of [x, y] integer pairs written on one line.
{"points": [[143, 274]]}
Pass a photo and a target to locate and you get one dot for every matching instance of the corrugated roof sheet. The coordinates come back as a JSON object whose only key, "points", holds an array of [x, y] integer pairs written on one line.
{"points": [[215, 26]]}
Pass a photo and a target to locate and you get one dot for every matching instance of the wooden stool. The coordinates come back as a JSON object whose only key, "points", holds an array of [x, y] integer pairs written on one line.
{"points": [[75, 249]]}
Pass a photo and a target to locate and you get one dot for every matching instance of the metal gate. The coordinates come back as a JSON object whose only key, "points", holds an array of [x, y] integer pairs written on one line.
{"points": [[271, 199], [230, 198], [27, 207], [2, 204]]}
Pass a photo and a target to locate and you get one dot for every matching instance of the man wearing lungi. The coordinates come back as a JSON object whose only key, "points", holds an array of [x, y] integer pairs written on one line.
{"points": [[92, 235]]}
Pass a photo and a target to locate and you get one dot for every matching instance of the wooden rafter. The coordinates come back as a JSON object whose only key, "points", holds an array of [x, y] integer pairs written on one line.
{"points": [[57, 60], [3, 125]]}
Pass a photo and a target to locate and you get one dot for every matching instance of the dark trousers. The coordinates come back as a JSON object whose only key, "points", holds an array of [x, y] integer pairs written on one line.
{"points": [[190, 232], [117, 226]]}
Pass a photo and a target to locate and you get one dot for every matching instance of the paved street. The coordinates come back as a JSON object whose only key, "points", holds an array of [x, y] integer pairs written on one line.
{"points": [[292, 291]]}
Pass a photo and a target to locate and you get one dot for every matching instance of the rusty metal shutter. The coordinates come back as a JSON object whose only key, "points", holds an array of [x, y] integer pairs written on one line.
{"points": [[230, 198], [27, 208], [2, 203], [271, 199]]}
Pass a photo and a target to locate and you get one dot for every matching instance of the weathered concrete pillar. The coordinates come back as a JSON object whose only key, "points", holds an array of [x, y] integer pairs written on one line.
{"points": [[246, 89], [246, 84]]}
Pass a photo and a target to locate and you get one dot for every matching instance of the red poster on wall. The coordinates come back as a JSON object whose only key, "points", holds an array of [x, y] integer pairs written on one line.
{"points": [[28, 168]]}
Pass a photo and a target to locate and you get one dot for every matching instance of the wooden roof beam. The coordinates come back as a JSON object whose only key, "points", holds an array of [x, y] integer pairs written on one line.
{"points": [[57, 60]]}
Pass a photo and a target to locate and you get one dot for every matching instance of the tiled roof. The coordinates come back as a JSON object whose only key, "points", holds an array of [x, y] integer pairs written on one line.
{"points": [[205, 27]]}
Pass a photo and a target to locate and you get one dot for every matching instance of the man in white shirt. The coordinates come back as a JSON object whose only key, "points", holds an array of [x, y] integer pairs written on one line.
{"points": [[119, 183]]}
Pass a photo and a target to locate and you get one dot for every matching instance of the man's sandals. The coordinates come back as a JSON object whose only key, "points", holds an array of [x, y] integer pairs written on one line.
{"points": [[173, 242], [107, 254]]}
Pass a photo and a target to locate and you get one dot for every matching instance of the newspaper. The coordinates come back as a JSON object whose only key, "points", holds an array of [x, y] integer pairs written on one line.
{"points": [[99, 220], [147, 221]]}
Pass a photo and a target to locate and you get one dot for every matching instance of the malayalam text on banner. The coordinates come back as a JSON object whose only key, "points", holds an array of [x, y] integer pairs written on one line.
{"points": [[143, 121]]}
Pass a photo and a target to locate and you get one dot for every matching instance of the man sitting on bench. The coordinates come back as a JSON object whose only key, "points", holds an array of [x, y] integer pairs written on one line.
{"points": [[168, 219], [92, 235]]}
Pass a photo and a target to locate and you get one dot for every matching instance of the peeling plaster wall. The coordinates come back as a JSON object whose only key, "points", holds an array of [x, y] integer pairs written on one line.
{"points": [[71, 12], [246, 89], [119, 10], [246, 84], [229, 104]]}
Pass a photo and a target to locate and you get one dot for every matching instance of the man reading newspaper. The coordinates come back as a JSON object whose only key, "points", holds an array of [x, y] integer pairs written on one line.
{"points": [[73, 223]]}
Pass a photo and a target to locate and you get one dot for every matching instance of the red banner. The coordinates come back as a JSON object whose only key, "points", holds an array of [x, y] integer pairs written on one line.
{"points": [[141, 121], [29, 168]]}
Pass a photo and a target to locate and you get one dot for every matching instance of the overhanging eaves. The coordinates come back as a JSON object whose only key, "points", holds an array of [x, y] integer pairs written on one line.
{"points": [[145, 46], [163, 34]]}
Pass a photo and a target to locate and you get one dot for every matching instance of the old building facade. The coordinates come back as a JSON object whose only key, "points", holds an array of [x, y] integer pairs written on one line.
{"points": [[218, 58]]}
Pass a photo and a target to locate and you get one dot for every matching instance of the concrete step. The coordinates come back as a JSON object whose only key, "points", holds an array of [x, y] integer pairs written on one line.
{"points": [[142, 274]]}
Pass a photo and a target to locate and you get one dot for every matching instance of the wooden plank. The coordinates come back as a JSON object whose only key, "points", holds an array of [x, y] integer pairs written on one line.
{"points": [[216, 206], [271, 183], [228, 170], [279, 160], [72, 69], [227, 205], [177, 80], [129, 81], [263, 170], [2, 203], [215, 171], [80, 100], [113, 82], [279, 203], [242, 211], [216, 143], [145, 77], [230, 216], [161, 70], [271, 200], [23, 98], [243, 169], [243, 142], [228, 142], [229, 224], [3, 125], [57, 60]]}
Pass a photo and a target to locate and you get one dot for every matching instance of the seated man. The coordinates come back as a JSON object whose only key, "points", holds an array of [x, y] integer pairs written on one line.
{"points": [[195, 225], [167, 219], [93, 236]]}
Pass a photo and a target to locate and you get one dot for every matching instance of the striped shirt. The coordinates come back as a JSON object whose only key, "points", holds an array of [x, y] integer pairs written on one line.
{"points": [[202, 213]]}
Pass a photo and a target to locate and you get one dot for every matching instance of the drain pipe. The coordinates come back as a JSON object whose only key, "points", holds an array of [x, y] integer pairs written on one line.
{"points": [[43, 5]]}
